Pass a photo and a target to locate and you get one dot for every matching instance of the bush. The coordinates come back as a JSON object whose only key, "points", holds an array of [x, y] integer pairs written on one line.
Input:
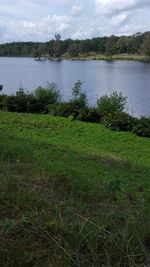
{"points": [[46, 96], [15, 103], [36, 102], [65, 109], [111, 104], [93, 115], [32, 104], [9, 103], [119, 121], [76, 90], [62, 109], [89, 115], [74, 107], [21, 101], [142, 128], [2, 97]]}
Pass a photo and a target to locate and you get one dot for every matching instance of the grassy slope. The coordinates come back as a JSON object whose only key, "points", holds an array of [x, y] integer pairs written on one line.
{"points": [[72, 194]]}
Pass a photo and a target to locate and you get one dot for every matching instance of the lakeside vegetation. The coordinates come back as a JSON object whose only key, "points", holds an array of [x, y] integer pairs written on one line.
{"points": [[109, 110], [72, 193], [132, 47], [96, 56]]}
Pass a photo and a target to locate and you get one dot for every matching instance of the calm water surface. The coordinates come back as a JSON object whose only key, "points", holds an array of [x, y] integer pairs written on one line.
{"points": [[132, 78]]}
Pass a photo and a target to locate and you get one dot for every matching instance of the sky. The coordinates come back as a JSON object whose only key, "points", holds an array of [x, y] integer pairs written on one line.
{"points": [[40, 20]]}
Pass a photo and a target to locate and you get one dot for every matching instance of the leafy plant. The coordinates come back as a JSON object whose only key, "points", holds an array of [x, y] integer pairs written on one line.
{"points": [[76, 89], [142, 127], [111, 104], [119, 121], [46, 96]]}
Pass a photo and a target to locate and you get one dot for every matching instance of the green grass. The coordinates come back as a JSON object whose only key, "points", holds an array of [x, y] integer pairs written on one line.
{"points": [[97, 56], [72, 194]]}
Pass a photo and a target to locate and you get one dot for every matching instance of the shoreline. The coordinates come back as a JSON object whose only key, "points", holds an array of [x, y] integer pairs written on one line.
{"points": [[131, 57], [112, 58]]}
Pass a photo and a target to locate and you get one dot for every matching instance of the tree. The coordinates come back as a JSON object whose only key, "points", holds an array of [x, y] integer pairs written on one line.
{"points": [[73, 50], [58, 48], [57, 37], [76, 90], [111, 104], [124, 44], [110, 46], [46, 96], [145, 47], [79, 97], [84, 47]]}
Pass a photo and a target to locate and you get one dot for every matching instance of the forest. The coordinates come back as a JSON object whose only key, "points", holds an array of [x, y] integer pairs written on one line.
{"points": [[138, 43]]}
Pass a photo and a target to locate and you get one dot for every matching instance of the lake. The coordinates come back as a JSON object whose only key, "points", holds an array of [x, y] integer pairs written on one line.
{"points": [[132, 78]]}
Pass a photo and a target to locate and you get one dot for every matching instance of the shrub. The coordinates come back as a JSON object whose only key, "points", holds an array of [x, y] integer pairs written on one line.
{"points": [[62, 109], [9, 103], [142, 128], [78, 95], [93, 115], [119, 121], [15, 103], [21, 101], [65, 109], [32, 104], [111, 104], [2, 97], [89, 115], [46, 96], [76, 90]]}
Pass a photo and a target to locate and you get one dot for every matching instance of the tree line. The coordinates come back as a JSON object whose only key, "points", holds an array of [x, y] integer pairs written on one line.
{"points": [[138, 43]]}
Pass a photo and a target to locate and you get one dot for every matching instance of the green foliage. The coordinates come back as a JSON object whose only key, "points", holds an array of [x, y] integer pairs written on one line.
{"points": [[32, 103], [76, 106], [7, 225], [57, 48], [142, 127], [111, 104], [2, 98], [77, 194], [76, 89], [145, 46], [93, 115], [62, 109], [9, 103], [21, 101], [74, 50], [46, 96], [109, 110], [73, 107], [89, 115], [110, 46], [119, 121], [36, 102]]}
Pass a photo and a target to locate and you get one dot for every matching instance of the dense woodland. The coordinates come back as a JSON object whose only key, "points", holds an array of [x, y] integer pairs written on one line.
{"points": [[138, 43]]}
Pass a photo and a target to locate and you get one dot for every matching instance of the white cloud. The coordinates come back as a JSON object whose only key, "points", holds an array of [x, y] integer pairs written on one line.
{"points": [[82, 33], [119, 18], [106, 7], [120, 13], [36, 20], [55, 23], [77, 8], [110, 7], [27, 30]]}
